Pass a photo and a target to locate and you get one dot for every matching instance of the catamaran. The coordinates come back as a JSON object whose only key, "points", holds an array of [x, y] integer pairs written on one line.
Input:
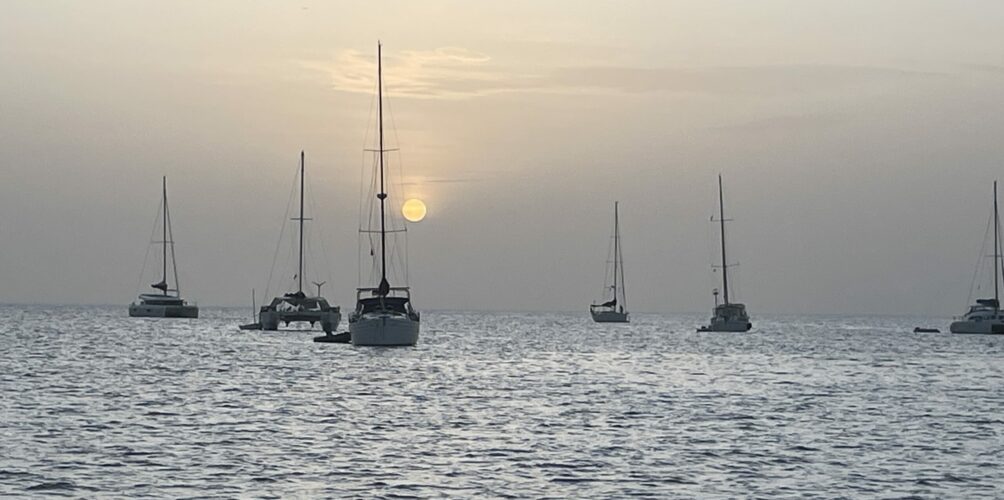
{"points": [[384, 315], [613, 310], [985, 316], [168, 303], [727, 316], [297, 306]]}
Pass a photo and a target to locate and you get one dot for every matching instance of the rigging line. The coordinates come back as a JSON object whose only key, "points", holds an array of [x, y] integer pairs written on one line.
{"points": [[712, 251], [325, 259], [371, 215], [362, 183], [620, 251], [282, 230], [170, 233], [398, 194], [607, 274], [997, 245], [397, 144], [149, 245], [980, 261], [407, 268]]}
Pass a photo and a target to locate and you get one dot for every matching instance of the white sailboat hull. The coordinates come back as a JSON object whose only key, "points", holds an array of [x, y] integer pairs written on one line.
{"points": [[384, 330], [992, 327], [163, 311], [609, 316]]}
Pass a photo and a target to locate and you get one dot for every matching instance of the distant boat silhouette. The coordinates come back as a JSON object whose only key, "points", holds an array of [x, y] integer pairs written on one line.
{"points": [[613, 310], [255, 323], [985, 316], [168, 303], [297, 306], [727, 316], [383, 315]]}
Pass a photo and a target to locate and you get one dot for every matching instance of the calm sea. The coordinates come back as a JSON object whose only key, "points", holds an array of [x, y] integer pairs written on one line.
{"points": [[93, 403]]}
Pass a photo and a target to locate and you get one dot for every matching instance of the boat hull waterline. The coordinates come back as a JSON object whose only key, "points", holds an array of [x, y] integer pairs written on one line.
{"points": [[727, 326], [384, 330], [978, 327], [163, 311], [328, 319], [609, 317]]}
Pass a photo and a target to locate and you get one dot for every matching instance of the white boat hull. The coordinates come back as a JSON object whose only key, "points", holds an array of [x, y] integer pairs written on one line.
{"points": [[384, 330], [163, 311], [609, 316], [978, 327]]}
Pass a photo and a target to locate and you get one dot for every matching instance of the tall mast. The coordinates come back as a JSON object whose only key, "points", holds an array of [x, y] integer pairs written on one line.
{"points": [[616, 244], [384, 285], [299, 275], [996, 247], [721, 220], [164, 238]]}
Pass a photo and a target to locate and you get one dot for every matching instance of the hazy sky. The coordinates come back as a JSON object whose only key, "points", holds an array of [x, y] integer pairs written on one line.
{"points": [[858, 141]]}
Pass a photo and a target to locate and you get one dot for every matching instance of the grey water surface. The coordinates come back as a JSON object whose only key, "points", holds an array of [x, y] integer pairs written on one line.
{"points": [[94, 404]]}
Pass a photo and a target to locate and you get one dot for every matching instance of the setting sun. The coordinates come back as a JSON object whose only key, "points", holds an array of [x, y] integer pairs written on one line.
{"points": [[413, 210]]}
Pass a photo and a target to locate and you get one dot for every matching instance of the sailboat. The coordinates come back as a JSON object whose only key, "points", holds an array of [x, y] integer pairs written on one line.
{"points": [[297, 306], [383, 315], [255, 324], [168, 303], [727, 316], [985, 316], [612, 311]]}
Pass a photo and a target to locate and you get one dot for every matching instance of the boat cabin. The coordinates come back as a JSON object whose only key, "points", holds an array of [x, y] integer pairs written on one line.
{"points": [[297, 301], [153, 299], [397, 300], [731, 312]]}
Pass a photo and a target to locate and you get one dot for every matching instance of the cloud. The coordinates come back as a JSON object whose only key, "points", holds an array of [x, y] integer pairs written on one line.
{"points": [[445, 73], [439, 180], [457, 73]]}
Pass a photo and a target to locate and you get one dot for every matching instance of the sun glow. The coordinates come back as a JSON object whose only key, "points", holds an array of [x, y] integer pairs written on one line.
{"points": [[413, 210]]}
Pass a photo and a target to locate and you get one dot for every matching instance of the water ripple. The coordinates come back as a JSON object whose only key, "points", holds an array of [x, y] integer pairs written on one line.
{"points": [[496, 405]]}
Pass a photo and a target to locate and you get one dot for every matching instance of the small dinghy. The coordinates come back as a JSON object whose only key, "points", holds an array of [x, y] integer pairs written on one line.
{"points": [[334, 338], [926, 330]]}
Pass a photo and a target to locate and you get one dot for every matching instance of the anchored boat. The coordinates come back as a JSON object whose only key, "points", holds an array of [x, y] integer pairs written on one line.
{"points": [[985, 317], [168, 303], [297, 306], [613, 310], [727, 316], [255, 323], [384, 315]]}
